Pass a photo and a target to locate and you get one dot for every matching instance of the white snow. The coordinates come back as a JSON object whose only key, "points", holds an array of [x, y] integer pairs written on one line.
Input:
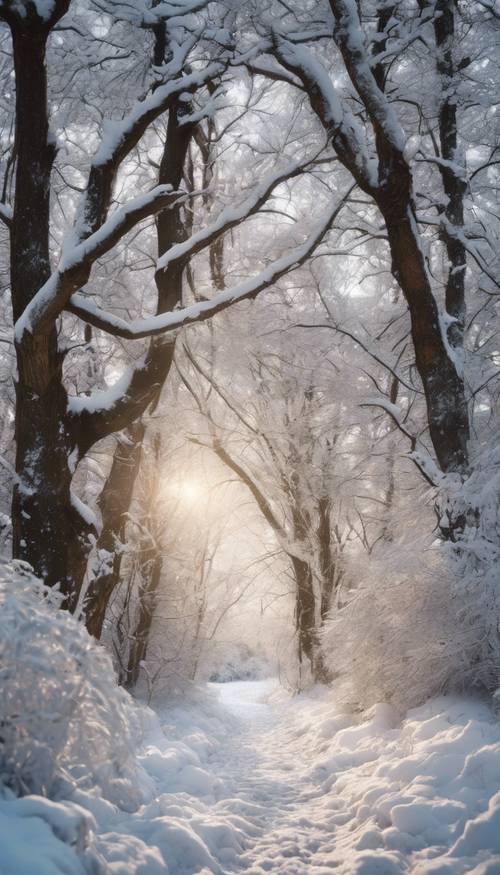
{"points": [[86, 512], [116, 131], [262, 782], [104, 399]]}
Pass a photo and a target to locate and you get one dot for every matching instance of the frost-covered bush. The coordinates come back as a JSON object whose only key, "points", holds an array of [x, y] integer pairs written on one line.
{"points": [[62, 716], [235, 661], [423, 620]]}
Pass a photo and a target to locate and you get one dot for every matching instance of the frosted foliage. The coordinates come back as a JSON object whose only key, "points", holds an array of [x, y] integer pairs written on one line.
{"points": [[62, 717], [407, 635]]}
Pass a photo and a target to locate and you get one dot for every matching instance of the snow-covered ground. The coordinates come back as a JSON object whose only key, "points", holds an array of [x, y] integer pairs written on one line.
{"points": [[258, 782]]}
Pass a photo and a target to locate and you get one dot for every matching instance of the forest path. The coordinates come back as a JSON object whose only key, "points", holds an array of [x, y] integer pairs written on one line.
{"points": [[288, 822], [299, 786]]}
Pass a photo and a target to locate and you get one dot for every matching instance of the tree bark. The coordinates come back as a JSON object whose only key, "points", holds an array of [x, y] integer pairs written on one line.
{"points": [[326, 558], [443, 385], [305, 611], [114, 503], [146, 608], [48, 530]]}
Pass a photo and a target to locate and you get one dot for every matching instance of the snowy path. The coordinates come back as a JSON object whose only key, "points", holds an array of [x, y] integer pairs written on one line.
{"points": [[297, 787], [264, 781], [253, 782]]}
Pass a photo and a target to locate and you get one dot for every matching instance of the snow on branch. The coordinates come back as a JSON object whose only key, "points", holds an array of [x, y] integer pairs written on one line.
{"points": [[94, 234], [15, 12], [121, 137], [468, 238], [76, 262], [231, 216], [418, 455], [140, 14], [350, 39], [342, 127], [205, 309]]}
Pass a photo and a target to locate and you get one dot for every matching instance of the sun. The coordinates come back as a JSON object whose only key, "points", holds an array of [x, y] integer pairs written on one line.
{"points": [[188, 491]]}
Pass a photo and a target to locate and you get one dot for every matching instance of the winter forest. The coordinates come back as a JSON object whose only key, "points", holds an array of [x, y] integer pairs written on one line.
{"points": [[249, 437]]}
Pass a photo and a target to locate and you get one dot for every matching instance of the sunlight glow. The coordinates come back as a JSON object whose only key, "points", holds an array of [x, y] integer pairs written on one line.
{"points": [[188, 491]]}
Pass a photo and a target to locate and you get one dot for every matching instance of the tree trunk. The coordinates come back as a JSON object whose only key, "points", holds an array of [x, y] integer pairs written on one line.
{"points": [[146, 609], [48, 530], [149, 565], [326, 559], [114, 503], [443, 385], [305, 611]]}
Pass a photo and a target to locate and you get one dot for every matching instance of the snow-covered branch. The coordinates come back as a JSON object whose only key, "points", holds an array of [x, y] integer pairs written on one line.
{"points": [[231, 216], [203, 310], [418, 455], [76, 262], [350, 39], [140, 13], [32, 12], [339, 123], [121, 137]]}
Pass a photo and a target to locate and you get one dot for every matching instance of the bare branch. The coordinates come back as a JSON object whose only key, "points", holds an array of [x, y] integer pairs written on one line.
{"points": [[418, 455]]}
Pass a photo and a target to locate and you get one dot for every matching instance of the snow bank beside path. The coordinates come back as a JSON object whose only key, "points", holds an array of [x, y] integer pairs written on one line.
{"points": [[258, 782], [172, 832], [419, 796]]}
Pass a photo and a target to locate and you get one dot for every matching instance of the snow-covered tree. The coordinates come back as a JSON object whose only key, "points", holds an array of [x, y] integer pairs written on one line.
{"points": [[110, 195]]}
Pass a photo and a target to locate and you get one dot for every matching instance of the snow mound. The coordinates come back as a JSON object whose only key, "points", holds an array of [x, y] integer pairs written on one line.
{"points": [[43, 837], [414, 796]]}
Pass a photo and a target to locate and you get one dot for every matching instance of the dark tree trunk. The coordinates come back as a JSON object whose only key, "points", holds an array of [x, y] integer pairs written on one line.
{"points": [[114, 503], [326, 559], [146, 608], [306, 606], [387, 533], [48, 530], [148, 566], [443, 385], [305, 611]]}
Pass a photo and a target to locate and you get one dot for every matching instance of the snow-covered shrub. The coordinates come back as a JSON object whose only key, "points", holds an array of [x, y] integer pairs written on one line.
{"points": [[62, 716], [235, 661], [422, 621]]}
